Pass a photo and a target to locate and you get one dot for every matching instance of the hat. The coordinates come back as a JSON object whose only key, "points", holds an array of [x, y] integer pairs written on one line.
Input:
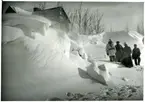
{"points": [[117, 42], [125, 43]]}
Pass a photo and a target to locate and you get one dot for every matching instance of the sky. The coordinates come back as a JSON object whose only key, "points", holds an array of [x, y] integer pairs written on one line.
{"points": [[117, 15]]}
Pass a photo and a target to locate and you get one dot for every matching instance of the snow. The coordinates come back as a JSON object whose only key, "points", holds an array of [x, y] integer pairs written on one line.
{"points": [[77, 45], [30, 22], [32, 61], [11, 34], [21, 11], [26, 17], [135, 35], [75, 37], [38, 65], [97, 39], [97, 73], [27, 63], [130, 38]]}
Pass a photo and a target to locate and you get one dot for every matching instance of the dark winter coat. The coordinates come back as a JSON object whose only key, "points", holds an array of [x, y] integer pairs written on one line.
{"points": [[118, 47], [127, 49], [119, 52], [126, 57], [136, 53], [127, 62]]}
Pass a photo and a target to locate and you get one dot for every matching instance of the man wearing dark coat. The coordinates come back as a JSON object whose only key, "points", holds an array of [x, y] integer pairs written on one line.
{"points": [[136, 55], [119, 51], [126, 58]]}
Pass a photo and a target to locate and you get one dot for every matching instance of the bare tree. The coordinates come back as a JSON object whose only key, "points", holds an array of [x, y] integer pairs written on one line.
{"points": [[127, 28], [111, 28], [88, 22], [98, 27], [42, 5], [92, 22], [59, 4], [140, 27]]}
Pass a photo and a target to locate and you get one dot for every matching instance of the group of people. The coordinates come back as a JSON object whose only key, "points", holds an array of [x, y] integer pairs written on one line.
{"points": [[124, 54]]}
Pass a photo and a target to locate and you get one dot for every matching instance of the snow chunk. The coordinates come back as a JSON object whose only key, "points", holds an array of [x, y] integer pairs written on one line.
{"points": [[99, 73], [11, 34]]}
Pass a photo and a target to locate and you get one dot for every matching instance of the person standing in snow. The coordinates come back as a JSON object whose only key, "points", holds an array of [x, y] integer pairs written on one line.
{"points": [[126, 58], [110, 50], [136, 55], [119, 51]]}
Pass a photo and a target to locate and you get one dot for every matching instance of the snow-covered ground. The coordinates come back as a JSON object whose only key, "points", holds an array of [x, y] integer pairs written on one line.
{"points": [[131, 38], [41, 65]]}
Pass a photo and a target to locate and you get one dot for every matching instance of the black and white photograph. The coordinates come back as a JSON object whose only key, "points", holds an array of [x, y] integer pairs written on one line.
{"points": [[72, 51]]}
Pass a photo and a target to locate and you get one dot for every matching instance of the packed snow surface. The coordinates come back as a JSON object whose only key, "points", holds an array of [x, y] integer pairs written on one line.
{"points": [[42, 66]]}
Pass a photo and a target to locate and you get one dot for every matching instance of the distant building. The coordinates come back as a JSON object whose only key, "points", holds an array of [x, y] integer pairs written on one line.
{"points": [[57, 15], [36, 9], [13, 9], [10, 9]]}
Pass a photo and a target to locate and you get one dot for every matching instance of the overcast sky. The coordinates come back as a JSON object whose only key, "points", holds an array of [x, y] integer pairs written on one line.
{"points": [[116, 14]]}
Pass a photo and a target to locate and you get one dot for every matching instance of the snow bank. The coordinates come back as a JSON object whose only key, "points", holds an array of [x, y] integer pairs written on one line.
{"points": [[75, 37], [35, 62], [32, 67], [135, 35], [11, 34], [138, 37], [78, 50], [97, 39], [77, 45], [21, 11], [130, 38], [26, 17], [78, 61], [27, 22], [84, 39], [55, 39]]}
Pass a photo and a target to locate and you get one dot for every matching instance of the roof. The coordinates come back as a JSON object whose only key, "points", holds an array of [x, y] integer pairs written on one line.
{"points": [[13, 9], [55, 14], [10, 9]]}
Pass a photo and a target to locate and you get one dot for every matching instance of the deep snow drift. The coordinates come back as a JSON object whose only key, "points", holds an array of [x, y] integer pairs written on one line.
{"points": [[40, 64], [131, 37], [11, 34], [33, 65]]}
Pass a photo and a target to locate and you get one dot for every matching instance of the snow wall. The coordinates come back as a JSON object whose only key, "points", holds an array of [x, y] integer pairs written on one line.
{"points": [[33, 63]]}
